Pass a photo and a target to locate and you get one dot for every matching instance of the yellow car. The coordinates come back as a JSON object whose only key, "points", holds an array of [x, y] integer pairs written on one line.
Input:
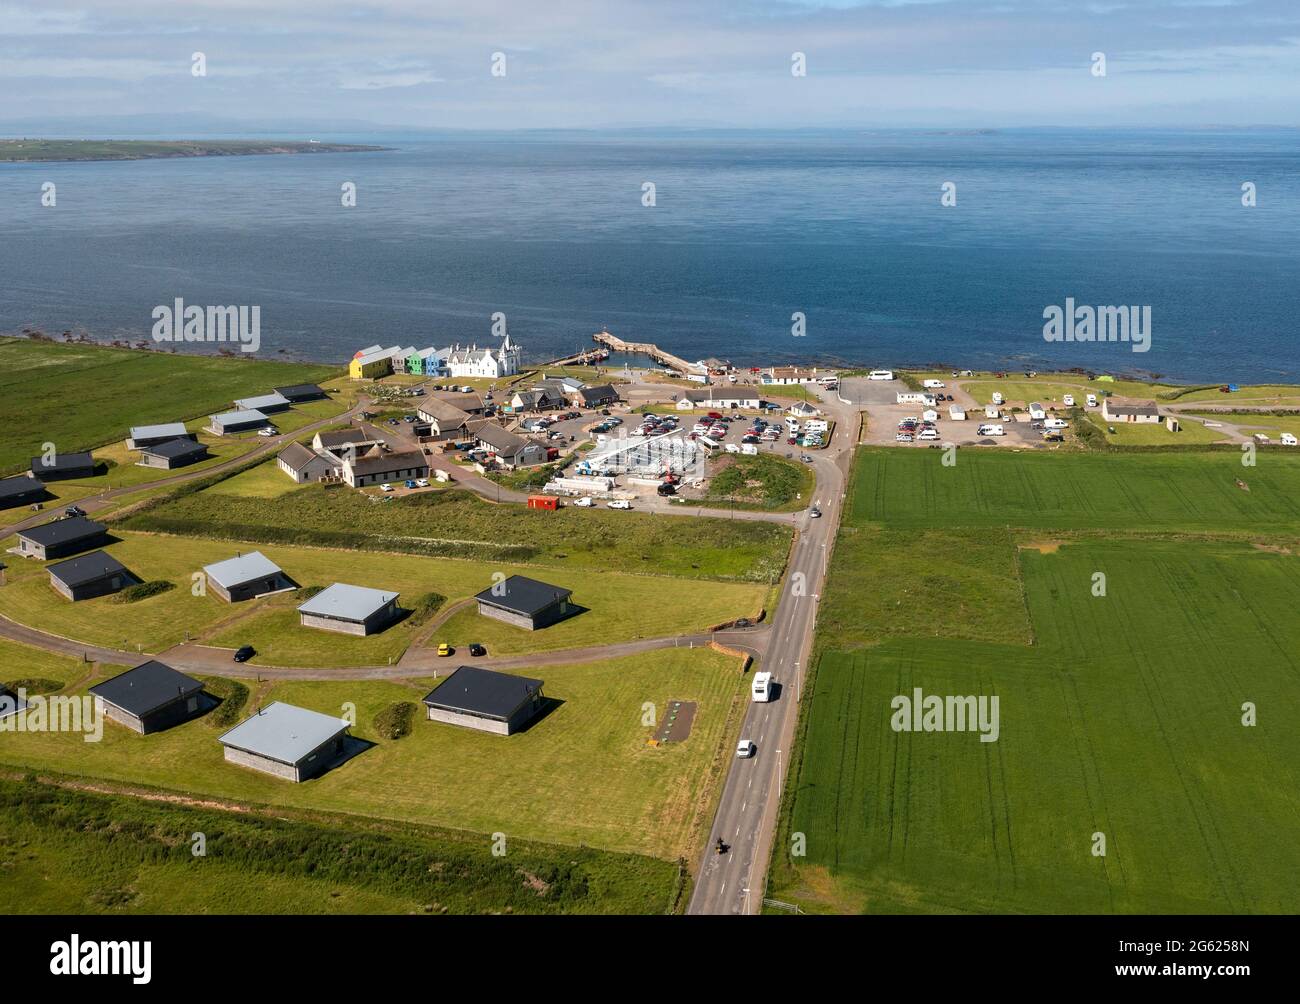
{"points": [[444, 649]]}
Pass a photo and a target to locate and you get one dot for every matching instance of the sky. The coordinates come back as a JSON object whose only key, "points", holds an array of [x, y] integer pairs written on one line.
{"points": [[121, 66]]}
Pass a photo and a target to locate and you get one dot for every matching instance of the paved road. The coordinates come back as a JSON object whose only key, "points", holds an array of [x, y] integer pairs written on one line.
{"points": [[733, 883]]}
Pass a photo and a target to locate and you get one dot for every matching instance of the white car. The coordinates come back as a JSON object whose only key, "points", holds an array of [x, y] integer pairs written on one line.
{"points": [[815, 513], [745, 748], [422, 483], [586, 502], [267, 431], [733, 448], [619, 504], [385, 487]]}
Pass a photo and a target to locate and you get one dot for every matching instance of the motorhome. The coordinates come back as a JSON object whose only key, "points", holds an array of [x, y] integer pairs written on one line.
{"points": [[762, 687], [880, 375], [1092, 400], [991, 430]]}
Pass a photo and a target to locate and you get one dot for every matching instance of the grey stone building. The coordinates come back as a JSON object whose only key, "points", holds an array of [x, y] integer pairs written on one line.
{"points": [[526, 603]]}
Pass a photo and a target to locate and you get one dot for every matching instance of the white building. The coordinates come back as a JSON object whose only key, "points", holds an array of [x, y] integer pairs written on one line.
{"points": [[1143, 413], [472, 361]]}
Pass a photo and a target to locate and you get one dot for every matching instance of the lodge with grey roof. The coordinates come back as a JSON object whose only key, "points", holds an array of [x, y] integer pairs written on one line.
{"points": [[246, 577], [346, 609], [287, 741]]}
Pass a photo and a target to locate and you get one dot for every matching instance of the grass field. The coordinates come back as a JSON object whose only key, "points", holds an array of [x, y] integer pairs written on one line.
{"points": [[85, 396], [75, 852], [22, 662], [1190, 433], [456, 523], [1125, 719], [1065, 491], [765, 482], [582, 774], [618, 605]]}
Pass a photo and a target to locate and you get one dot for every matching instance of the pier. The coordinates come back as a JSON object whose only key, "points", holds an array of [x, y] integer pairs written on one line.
{"points": [[616, 344]]}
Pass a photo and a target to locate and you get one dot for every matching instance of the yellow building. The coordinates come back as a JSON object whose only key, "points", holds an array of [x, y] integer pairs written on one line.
{"points": [[370, 365]]}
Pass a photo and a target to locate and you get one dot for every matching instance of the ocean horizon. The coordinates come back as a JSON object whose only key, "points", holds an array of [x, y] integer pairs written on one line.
{"points": [[747, 230]]}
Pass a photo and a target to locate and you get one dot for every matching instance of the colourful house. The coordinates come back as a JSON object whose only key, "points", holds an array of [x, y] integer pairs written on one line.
{"points": [[426, 362], [370, 365]]}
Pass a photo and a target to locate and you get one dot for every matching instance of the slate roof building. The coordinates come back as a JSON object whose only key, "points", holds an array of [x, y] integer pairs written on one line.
{"points": [[339, 441], [61, 538], [287, 741], [525, 602], [151, 697], [236, 421], [266, 403], [375, 467], [305, 465], [349, 609], [173, 453], [150, 435], [245, 577], [446, 421], [20, 490], [485, 700], [510, 449], [63, 465], [89, 575], [301, 392]]}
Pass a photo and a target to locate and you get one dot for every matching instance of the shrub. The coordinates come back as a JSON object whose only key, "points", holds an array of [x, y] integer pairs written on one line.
{"points": [[394, 721], [233, 696], [34, 685], [143, 590], [425, 607]]}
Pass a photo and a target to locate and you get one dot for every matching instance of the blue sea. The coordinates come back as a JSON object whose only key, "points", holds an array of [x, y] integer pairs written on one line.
{"points": [[846, 228]]}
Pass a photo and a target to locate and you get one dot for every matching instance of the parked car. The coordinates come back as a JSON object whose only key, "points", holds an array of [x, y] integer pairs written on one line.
{"points": [[422, 483], [903, 437], [619, 504], [586, 502], [74, 510], [410, 483], [386, 487], [244, 653], [266, 431], [444, 650], [476, 650]]}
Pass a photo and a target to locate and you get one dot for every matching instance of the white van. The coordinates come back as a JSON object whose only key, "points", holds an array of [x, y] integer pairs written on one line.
{"points": [[1092, 400], [1056, 423], [1287, 439], [927, 435], [932, 384], [762, 687], [792, 424], [991, 430], [880, 375]]}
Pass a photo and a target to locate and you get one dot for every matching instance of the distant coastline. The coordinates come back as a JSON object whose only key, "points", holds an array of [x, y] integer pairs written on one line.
{"points": [[32, 151]]}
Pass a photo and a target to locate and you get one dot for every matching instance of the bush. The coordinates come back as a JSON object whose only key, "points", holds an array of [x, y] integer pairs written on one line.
{"points": [[233, 696], [394, 721], [425, 607], [143, 590], [34, 685], [307, 592]]}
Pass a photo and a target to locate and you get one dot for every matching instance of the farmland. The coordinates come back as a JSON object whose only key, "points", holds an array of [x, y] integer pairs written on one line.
{"points": [[1077, 491], [1121, 710], [582, 774], [1125, 719], [68, 851], [456, 523], [83, 396]]}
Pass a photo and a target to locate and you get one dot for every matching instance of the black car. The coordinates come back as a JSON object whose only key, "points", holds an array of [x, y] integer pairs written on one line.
{"points": [[667, 489], [244, 653], [74, 510], [476, 649]]}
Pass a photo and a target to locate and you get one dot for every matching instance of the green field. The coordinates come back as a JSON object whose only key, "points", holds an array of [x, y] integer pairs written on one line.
{"points": [[1120, 713], [456, 523], [84, 396], [1124, 719], [1190, 433], [74, 852], [764, 482], [582, 774], [616, 603], [1075, 491]]}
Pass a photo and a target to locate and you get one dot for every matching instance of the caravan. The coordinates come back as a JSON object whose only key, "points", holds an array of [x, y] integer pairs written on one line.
{"points": [[762, 687]]}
